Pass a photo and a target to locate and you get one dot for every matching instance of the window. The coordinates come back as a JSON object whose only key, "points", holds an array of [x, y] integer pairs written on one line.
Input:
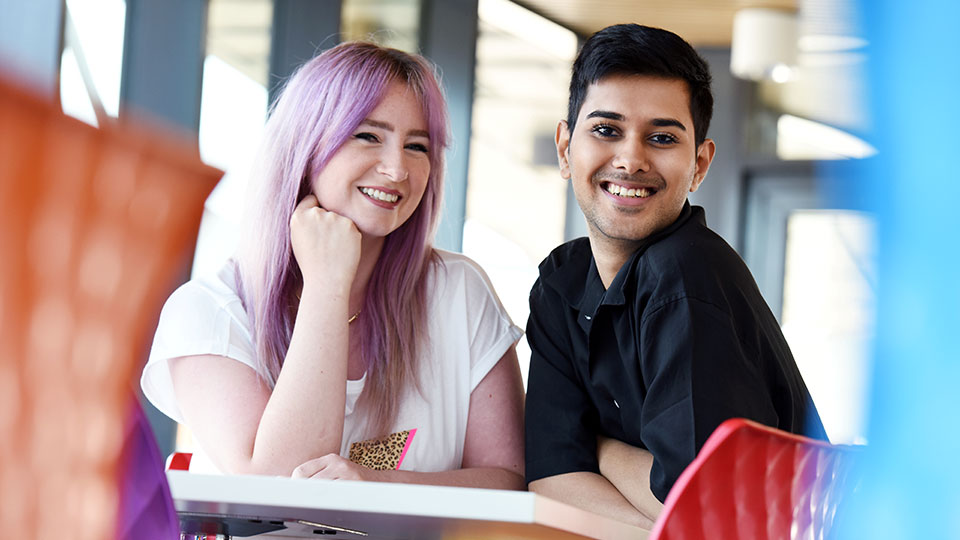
{"points": [[516, 199], [829, 296], [391, 23], [93, 51], [816, 270], [233, 109]]}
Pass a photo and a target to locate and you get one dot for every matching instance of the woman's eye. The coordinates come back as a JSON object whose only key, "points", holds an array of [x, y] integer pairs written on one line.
{"points": [[604, 130], [418, 147], [663, 139], [367, 137]]}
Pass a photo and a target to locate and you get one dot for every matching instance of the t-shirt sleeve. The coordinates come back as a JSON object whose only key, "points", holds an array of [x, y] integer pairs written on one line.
{"points": [[491, 331], [196, 320], [561, 424], [698, 374]]}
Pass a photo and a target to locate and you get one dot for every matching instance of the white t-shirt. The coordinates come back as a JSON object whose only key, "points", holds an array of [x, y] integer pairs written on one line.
{"points": [[469, 332]]}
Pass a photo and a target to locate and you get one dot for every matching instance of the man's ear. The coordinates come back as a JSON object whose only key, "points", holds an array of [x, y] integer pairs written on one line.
{"points": [[563, 148], [705, 155]]}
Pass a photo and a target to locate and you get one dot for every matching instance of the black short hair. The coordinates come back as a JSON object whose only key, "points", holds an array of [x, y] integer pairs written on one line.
{"points": [[633, 49]]}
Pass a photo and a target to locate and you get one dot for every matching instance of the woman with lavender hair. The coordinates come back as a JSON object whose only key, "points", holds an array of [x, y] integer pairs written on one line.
{"points": [[339, 343]]}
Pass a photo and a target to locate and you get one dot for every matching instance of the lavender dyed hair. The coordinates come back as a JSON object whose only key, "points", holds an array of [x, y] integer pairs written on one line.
{"points": [[319, 109]]}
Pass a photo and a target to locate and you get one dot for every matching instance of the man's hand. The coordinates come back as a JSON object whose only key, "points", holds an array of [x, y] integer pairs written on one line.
{"points": [[628, 469]]}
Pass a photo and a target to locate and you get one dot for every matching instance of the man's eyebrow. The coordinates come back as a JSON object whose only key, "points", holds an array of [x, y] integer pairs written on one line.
{"points": [[389, 127], [668, 122], [609, 115], [658, 122]]}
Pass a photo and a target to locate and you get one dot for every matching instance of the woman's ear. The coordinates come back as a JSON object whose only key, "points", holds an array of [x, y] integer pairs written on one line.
{"points": [[563, 148]]}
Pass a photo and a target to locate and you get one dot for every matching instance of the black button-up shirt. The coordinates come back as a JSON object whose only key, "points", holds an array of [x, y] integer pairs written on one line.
{"points": [[681, 341]]}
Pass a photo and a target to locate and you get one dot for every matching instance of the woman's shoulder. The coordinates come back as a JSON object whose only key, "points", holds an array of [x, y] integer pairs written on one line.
{"points": [[217, 290], [458, 269], [462, 288], [205, 304]]}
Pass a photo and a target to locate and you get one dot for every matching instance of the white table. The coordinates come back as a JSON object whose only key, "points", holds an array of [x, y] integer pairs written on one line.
{"points": [[381, 510]]}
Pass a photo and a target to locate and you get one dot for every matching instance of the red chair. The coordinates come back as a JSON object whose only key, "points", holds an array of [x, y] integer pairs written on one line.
{"points": [[753, 481]]}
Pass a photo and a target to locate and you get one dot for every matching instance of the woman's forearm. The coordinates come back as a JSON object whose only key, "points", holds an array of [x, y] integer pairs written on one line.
{"points": [[479, 477], [303, 418]]}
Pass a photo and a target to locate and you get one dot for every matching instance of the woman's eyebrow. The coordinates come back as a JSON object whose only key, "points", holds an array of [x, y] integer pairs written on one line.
{"points": [[378, 124], [389, 127]]}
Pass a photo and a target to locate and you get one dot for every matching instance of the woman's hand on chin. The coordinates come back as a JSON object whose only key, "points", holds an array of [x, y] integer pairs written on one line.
{"points": [[335, 467], [326, 245]]}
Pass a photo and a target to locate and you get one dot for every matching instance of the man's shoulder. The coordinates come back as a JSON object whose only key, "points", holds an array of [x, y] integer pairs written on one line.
{"points": [[690, 243], [562, 275], [692, 261], [564, 257]]}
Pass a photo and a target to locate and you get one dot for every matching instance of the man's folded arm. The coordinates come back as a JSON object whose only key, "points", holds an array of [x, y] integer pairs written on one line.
{"points": [[627, 468], [695, 381], [593, 493]]}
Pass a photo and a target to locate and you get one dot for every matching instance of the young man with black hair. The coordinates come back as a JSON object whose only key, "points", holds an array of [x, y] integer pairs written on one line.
{"points": [[649, 333]]}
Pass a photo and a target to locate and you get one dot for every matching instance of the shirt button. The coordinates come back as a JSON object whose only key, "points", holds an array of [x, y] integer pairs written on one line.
{"points": [[617, 405]]}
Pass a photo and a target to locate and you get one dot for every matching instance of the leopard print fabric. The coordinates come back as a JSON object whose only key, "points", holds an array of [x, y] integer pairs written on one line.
{"points": [[382, 454]]}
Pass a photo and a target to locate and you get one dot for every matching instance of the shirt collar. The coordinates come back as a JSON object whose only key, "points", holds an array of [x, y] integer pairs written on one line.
{"points": [[578, 280], [616, 295]]}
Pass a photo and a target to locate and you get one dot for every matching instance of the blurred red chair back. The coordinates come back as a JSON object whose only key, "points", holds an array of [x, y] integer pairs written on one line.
{"points": [[96, 225], [753, 481]]}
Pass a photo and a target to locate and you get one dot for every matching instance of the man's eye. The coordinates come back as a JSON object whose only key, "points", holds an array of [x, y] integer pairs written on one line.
{"points": [[663, 139], [418, 147], [367, 137], [604, 130]]}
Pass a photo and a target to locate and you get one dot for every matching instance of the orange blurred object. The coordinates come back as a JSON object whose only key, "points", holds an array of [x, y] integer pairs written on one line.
{"points": [[95, 226]]}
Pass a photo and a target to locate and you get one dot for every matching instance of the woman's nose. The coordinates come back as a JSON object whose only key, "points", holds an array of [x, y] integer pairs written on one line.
{"points": [[392, 166]]}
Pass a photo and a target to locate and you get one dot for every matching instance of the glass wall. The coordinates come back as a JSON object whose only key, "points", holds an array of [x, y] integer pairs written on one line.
{"points": [[92, 58], [392, 23], [233, 109], [829, 301], [516, 198]]}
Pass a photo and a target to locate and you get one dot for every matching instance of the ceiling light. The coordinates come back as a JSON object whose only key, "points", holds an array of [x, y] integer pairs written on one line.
{"points": [[800, 138], [764, 43]]}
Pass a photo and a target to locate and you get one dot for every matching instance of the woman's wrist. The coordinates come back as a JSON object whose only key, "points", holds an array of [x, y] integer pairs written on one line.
{"points": [[329, 292], [383, 475]]}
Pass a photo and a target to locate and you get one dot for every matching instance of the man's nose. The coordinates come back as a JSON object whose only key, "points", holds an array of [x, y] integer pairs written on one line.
{"points": [[631, 157]]}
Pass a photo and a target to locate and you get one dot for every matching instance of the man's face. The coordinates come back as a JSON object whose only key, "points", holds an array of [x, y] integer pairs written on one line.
{"points": [[632, 156]]}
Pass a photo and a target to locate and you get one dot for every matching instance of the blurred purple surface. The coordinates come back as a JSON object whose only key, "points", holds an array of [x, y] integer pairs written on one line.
{"points": [[146, 508]]}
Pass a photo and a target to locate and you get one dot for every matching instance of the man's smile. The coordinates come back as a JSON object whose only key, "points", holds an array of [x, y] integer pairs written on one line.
{"points": [[627, 192]]}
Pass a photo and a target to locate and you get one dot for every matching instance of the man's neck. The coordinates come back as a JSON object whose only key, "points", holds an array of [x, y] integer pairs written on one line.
{"points": [[610, 254]]}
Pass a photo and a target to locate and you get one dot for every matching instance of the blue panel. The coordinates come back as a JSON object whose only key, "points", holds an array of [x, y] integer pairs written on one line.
{"points": [[448, 37], [912, 476], [30, 36], [301, 30], [163, 60]]}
